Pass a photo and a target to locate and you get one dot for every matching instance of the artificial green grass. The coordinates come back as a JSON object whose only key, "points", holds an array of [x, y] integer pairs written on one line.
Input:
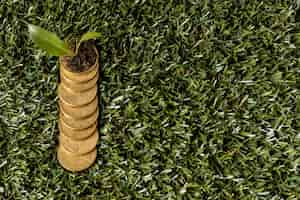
{"points": [[199, 100]]}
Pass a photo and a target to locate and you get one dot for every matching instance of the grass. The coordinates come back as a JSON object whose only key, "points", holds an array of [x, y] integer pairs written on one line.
{"points": [[199, 100]]}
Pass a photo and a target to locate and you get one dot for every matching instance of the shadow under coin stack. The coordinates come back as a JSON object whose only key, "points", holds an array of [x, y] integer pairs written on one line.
{"points": [[78, 117]]}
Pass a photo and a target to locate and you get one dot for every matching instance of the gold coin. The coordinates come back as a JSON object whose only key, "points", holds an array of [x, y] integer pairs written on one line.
{"points": [[76, 134], [79, 147], [80, 76], [79, 111], [79, 123], [76, 98], [79, 86], [73, 162]]}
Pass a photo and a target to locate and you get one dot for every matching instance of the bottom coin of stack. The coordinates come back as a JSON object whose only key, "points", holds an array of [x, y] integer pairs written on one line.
{"points": [[74, 162], [77, 140]]}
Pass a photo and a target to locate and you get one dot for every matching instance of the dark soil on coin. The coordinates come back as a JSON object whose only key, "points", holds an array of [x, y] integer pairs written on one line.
{"points": [[85, 58]]}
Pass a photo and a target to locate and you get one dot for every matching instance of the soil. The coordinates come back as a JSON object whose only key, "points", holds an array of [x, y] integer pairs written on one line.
{"points": [[85, 58]]}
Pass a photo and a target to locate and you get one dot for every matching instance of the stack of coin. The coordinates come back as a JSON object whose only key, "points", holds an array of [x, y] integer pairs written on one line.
{"points": [[78, 117]]}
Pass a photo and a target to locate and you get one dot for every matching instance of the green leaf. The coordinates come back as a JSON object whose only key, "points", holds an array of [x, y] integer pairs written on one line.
{"points": [[48, 41], [88, 36]]}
